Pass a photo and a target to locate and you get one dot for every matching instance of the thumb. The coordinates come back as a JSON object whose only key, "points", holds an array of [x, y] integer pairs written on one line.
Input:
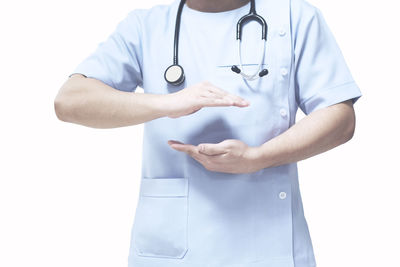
{"points": [[211, 149]]}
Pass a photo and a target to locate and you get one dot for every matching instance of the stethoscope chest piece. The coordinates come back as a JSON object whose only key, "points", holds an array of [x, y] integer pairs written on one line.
{"points": [[174, 74]]}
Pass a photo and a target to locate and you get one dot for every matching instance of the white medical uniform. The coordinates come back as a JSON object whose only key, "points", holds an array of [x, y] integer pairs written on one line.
{"points": [[189, 216]]}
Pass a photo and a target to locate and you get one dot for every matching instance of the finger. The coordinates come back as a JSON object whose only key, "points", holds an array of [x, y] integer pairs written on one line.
{"points": [[212, 149], [188, 148], [241, 103], [215, 102], [237, 100]]}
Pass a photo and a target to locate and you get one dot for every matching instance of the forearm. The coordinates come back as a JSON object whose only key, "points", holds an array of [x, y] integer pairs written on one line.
{"points": [[318, 132], [95, 104]]}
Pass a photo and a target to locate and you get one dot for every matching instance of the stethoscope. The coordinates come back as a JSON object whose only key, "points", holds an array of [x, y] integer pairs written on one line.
{"points": [[175, 75]]}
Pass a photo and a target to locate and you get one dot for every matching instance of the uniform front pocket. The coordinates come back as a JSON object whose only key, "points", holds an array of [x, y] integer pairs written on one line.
{"points": [[161, 220]]}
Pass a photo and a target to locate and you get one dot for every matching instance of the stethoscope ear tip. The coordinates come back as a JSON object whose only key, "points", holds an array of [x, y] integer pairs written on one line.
{"points": [[263, 73], [235, 69]]}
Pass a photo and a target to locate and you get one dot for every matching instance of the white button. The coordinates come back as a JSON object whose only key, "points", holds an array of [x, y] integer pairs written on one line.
{"points": [[282, 195], [284, 71], [283, 112], [282, 32]]}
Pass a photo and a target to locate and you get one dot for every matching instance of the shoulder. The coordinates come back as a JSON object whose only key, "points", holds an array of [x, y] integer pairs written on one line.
{"points": [[140, 22], [151, 17], [301, 11], [305, 20]]}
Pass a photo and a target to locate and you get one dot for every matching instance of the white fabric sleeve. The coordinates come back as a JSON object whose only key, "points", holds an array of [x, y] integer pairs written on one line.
{"points": [[117, 61], [322, 77]]}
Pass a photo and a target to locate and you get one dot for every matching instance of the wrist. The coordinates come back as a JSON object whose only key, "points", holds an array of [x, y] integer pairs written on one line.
{"points": [[255, 158], [164, 105], [259, 158]]}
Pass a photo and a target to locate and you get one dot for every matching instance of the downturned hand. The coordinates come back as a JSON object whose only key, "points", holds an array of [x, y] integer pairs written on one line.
{"points": [[204, 94]]}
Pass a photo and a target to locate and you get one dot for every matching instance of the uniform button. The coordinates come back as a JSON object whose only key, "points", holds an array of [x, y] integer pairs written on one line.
{"points": [[283, 112], [284, 71], [282, 32], [282, 195]]}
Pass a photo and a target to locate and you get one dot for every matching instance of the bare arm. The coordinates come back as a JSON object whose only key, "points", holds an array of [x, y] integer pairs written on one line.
{"points": [[92, 103], [318, 132]]}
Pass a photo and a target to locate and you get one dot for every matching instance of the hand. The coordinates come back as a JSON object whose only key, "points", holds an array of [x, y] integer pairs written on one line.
{"points": [[204, 94], [230, 156]]}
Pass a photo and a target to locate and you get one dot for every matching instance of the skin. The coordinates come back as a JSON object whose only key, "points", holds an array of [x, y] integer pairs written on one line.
{"points": [[92, 103], [215, 6], [318, 132]]}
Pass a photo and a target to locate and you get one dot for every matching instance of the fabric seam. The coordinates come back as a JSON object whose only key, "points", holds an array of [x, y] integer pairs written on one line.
{"points": [[323, 91]]}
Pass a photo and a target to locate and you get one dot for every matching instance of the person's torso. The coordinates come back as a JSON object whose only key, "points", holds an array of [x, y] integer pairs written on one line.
{"points": [[198, 216]]}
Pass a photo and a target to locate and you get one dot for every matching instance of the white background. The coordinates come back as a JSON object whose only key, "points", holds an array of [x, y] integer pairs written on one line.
{"points": [[68, 192]]}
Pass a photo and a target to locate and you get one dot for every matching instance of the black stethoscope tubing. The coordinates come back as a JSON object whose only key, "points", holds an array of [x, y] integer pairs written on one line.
{"points": [[175, 75], [177, 28]]}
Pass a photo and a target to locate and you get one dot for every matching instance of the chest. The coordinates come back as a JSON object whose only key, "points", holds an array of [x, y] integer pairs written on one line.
{"points": [[207, 54]]}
